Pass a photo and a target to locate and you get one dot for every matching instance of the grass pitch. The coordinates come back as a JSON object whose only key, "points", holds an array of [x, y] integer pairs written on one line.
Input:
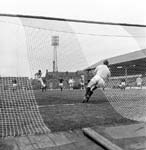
{"points": [[63, 111]]}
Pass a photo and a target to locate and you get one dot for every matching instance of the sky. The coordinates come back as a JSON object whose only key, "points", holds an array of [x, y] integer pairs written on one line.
{"points": [[24, 50], [131, 11]]}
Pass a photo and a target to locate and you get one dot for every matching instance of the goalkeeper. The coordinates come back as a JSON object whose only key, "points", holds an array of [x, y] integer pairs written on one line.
{"points": [[102, 74]]}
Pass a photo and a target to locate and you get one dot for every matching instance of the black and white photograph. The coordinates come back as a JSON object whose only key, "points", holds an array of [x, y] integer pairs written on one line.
{"points": [[72, 75]]}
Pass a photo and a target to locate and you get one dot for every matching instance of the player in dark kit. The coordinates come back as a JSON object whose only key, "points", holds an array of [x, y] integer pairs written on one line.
{"points": [[61, 84], [14, 84]]}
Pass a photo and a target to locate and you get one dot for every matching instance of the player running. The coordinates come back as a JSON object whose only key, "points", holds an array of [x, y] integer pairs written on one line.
{"points": [[71, 83], [102, 74], [139, 82], [61, 84], [82, 82], [14, 84], [122, 85], [38, 76]]}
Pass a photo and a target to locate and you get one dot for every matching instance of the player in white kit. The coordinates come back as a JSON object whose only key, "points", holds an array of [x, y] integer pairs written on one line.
{"points": [[102, 74], [139, 81], [38, 76], [71, 83]]}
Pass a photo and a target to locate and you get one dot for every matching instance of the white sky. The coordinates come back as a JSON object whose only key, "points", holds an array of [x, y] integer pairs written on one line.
{"points": [[132, 11], [15, 62]]}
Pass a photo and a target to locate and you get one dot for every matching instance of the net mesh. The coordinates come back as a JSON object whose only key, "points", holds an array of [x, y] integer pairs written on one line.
{"points": [[39, 33], [126, 96], [80, 45], [19, 111]]}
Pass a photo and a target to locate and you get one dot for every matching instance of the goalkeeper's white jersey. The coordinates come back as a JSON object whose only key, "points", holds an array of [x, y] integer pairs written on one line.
{"points": [[103, 71]]}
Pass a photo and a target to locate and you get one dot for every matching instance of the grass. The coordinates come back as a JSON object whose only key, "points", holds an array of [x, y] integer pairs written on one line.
{"points": [[63, 111], [59, 116]]}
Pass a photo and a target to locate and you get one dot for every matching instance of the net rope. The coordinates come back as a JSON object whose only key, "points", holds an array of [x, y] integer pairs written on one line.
{"points": [[19, 112]]}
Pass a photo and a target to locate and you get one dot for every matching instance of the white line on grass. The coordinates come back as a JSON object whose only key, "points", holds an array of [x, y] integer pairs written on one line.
{"points": [[55, 105]]}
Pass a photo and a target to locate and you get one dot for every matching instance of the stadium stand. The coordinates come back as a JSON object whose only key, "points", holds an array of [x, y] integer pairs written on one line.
{"points": [[134, 62], [130, 81], [128, 66]]}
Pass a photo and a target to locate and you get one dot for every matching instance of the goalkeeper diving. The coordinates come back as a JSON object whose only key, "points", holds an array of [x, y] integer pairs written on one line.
{"points": [[102, 74]]}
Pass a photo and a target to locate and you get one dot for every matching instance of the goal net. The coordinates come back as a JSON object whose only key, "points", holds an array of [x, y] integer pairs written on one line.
{"points": [[27, 44]]}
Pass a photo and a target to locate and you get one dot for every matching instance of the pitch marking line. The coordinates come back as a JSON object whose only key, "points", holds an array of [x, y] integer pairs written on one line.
{"points": [[41, 106]]}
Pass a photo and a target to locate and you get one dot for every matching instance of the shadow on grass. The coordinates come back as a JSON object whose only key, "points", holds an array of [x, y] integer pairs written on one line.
{"points": [[4, 146], [63, 118]]}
